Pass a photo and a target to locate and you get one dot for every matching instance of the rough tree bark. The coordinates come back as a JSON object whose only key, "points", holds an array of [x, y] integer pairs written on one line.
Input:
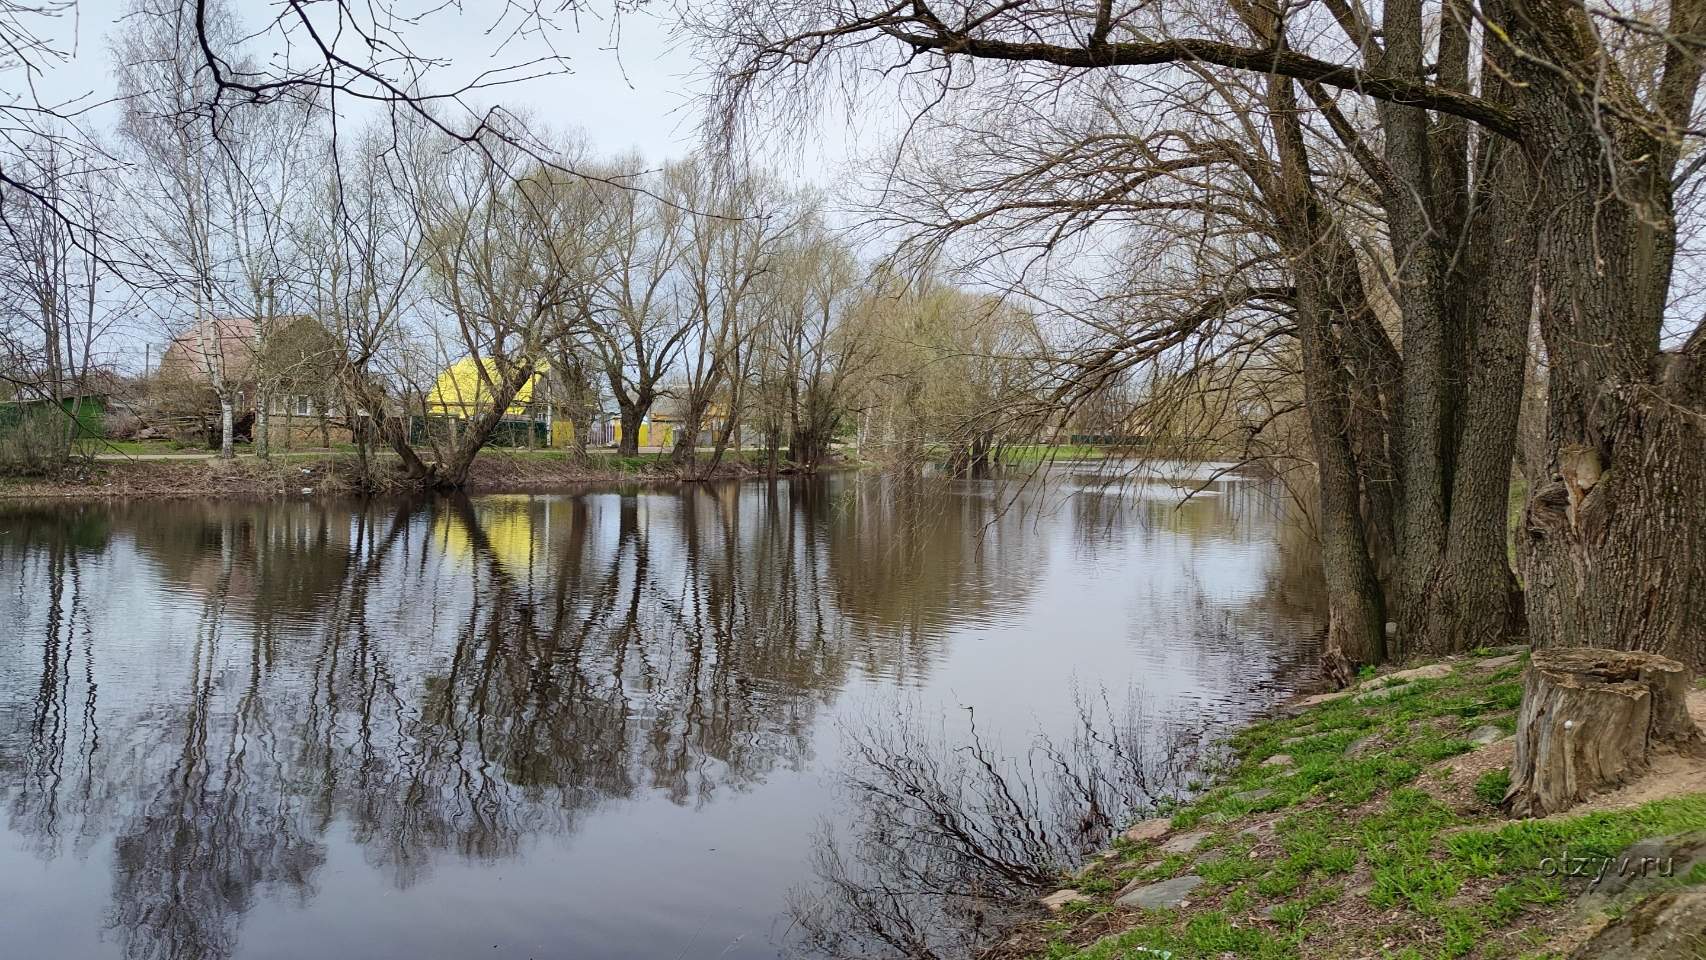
{"points": [[1472, 598], [1324, 270], [630, 416], [1616, 536], [1590, 720]]}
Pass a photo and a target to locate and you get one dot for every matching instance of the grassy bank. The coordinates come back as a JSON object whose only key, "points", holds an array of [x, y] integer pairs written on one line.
{"points": [[329, 473], [1367, 825], [1041, 452]]}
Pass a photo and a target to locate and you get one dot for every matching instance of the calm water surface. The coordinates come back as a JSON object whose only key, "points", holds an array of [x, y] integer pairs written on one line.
{"points": [[607, 724]]}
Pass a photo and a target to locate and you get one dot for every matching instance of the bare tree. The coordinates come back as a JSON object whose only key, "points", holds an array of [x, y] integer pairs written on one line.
{"points": [[820, 352], [642, 323], [1484, 185], [177, 161], [737, 232], [54, 323], [494, 224], [362, 245]]}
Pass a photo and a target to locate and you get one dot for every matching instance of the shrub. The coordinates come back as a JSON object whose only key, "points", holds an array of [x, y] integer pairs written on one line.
{"points": [[33, 442]]}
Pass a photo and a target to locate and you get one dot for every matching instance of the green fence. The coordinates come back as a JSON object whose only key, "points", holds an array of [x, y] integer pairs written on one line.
{"points": [[89, 412], [508, 433]]}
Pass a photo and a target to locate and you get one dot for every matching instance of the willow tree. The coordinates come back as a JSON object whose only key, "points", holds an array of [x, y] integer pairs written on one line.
{"points": [[1525, 157], [502, 266]]}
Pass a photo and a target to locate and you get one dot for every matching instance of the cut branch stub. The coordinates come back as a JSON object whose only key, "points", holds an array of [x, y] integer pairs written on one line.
{"points": [[1590, 720]]}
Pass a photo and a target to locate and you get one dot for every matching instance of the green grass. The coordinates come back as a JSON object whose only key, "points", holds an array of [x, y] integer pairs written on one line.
{"points": [[1464, 882], [1038, 452], [1490, 789], [134, 447]]}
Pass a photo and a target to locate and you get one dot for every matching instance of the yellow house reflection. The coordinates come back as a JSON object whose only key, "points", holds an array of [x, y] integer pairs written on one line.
{"points": [[514, 528]]}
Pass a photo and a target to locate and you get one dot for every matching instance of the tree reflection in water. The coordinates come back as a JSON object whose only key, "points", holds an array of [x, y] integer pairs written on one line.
{"points": [[216, 689], [952, 834]]}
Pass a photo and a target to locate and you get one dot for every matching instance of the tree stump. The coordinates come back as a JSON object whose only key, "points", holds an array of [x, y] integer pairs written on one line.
{"points": [[1590, 720]]}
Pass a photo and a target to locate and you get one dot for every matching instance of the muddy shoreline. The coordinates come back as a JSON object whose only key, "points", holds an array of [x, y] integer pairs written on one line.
{"points": [[250, 478]]}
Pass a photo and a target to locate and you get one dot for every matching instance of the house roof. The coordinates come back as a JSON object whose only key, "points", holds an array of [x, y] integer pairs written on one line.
{"points": [[225, 344], [460, 389]]}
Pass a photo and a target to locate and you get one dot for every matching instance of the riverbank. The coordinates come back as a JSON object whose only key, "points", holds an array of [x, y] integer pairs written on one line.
{"points": [[1366, 824], [334, 474]]}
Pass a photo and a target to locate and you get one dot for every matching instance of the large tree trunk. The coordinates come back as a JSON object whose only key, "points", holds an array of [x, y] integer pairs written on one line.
{"points": [[1616, 543], [1326, 279], [629, 445], [1590, 720], [1616, 535], [1356, 618], [452, 474], [1424, 474], [394, 430], [581, 424], [1472, 599], [687, 440]]}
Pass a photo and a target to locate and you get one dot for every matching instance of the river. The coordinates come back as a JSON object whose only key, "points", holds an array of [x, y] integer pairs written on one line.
{"points": [[612, 723]]}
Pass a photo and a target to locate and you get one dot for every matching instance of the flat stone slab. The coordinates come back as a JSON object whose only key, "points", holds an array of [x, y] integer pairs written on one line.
{"points": [[1149, 830], [1254, 796], [1166, 895], [1485, 734], [1381, 693], [1666, 927], [1278, 760], [1499, 663], [1433, 671], [1060, 899], [1186, 842]]}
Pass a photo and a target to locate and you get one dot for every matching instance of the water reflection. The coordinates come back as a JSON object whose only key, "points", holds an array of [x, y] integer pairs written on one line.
{"points": [[211, 702]]}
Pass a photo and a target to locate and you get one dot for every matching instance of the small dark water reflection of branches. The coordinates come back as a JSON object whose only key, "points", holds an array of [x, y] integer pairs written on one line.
{"points": [[950, 838]]}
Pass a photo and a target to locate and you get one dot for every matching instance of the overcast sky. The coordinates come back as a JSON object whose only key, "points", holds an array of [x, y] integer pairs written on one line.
{"points": [[627, 86], [630, 86]]}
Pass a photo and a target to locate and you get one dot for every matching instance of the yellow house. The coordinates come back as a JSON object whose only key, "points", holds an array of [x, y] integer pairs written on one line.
{"points": [[461, 392], [661, 426], [651, 435]]}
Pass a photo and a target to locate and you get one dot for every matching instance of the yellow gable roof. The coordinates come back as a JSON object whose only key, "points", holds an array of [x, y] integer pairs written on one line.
{"points": [[460, 390]]}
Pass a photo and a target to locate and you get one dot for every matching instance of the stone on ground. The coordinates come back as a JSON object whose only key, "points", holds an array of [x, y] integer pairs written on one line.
{"points": [[1433, 671], [1185, 842], [1058, 900], [1643, 866], [1494, 664], [1278, 760], [1381, 693], [1360, 747], [1300, 707], [1670, 926], [1485, 734], [1148, 830], [1165, 895]]}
